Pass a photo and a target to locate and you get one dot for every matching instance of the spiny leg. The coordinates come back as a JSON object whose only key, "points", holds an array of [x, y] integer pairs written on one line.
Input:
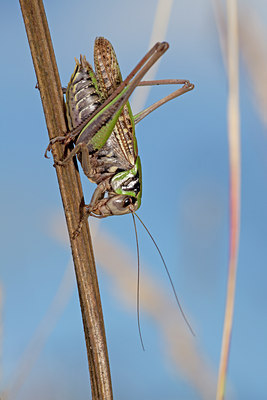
{"points": [[88, 209], [123, 91], [85, 158], [130, 83], [57, 139], [187, 86], [101, 123], [66, 139]]}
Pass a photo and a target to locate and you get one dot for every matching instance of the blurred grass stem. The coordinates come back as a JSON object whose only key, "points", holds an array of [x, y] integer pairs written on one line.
{"points": [[72, 197], [234, 156]]}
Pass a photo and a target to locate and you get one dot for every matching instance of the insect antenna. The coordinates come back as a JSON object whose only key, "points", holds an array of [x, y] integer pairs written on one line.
{"points": [[138, 284], [169, 276]]}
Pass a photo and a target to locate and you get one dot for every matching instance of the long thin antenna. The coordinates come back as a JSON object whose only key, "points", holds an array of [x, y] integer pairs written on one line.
{"points": [[138, 285], [169, 276]]}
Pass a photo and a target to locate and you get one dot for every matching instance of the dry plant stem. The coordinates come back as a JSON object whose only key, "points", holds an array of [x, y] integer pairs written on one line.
{"points": [[234, 155], [71, 193]]}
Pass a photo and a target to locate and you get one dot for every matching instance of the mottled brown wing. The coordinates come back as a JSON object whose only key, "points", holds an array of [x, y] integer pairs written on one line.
{"points": [[109, 77]]}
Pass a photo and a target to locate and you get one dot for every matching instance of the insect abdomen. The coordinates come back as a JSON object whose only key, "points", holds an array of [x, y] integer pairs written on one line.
{"points": [[82, 96]]}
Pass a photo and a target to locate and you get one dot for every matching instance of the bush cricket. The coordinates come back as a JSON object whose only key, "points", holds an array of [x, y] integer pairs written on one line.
{"points": [[102, 127]]}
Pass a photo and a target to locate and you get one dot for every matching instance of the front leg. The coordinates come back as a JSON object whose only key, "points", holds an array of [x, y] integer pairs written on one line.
{"points": [[68, 137], [80, 148], [91, 208], [59, 139]]}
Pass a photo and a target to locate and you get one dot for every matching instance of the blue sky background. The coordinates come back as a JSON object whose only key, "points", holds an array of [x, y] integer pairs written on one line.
{"points": [[184, 153]]}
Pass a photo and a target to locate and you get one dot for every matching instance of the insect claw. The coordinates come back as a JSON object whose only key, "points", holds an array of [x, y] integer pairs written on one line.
{"points": [[57, 162], [78, 230], [76, 233], [162, 46], [53, 141], [86, 211], [46, 151], [189, 85]]}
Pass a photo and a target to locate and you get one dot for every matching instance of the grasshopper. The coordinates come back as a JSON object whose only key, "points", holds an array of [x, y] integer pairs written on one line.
{"points": [[102, 126]]}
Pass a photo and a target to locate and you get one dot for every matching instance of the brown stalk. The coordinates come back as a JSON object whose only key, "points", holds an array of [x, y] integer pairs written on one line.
{"points": [[72, 197]]}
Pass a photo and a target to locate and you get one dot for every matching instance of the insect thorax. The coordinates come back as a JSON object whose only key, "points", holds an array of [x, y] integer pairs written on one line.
{"points": [[128, 182]]}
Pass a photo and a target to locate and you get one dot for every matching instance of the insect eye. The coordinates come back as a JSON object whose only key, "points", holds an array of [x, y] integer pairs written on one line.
{"points": [[127, 202]]}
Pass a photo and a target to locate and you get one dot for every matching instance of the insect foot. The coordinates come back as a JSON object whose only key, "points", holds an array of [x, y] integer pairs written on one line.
{"points": [[60, 139], [189, 85], [86, 211], [162, 46], [58, 162], [77, 231]]}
